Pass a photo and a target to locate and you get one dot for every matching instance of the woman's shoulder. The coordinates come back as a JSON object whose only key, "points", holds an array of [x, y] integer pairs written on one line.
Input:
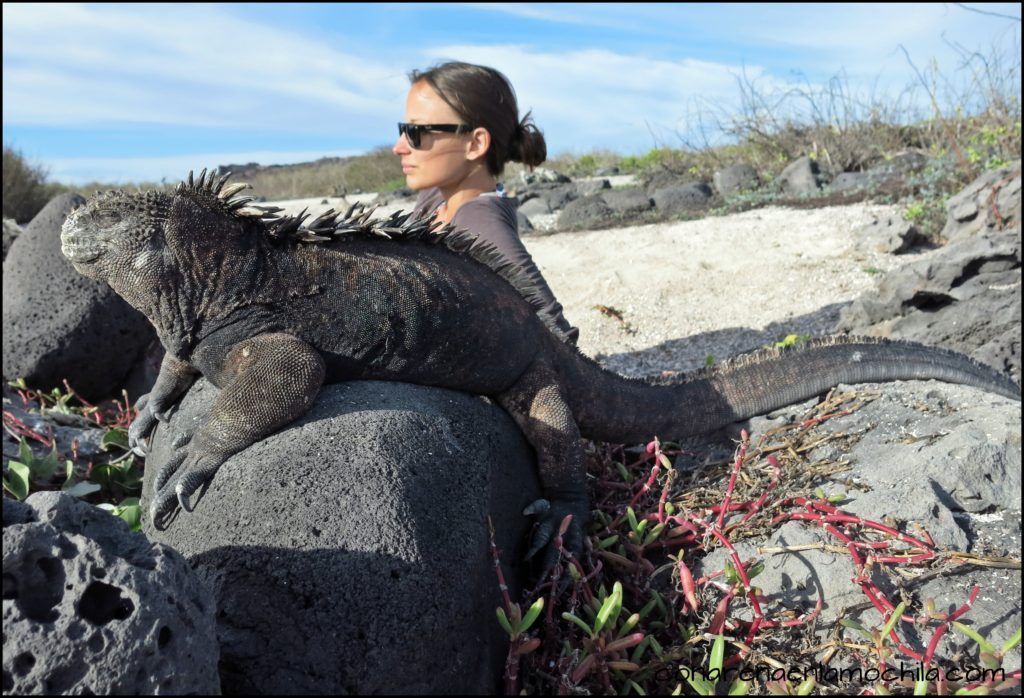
{"points": [[427, 200], [487, 211]]}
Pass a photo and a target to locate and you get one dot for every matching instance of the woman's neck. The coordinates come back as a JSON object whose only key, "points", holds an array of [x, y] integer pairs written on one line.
{"points": [[478, 182]]}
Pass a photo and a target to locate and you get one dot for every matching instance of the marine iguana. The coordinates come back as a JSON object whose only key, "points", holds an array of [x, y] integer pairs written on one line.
{"points": [[269, 308]]}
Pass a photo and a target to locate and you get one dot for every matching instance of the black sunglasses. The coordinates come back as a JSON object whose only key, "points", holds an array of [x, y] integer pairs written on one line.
{"points": [[414, 131]]}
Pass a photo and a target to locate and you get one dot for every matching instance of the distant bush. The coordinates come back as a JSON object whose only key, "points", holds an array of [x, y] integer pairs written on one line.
{"points": [[377, 170], [575, 165], [304, 181], [665, 158], [26, 190], [972, 116]]}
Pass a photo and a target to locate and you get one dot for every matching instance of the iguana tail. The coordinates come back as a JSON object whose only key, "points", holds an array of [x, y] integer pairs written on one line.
{"points": [[609, 407]]}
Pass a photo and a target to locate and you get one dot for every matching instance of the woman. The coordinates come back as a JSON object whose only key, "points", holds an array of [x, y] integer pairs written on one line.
{"points": [[461, 127]]}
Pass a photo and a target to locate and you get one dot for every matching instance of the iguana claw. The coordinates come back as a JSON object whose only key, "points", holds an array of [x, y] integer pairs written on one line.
{"points": [[184, 500], [149, 413], [161, 511], [538, 506], [141, 427], [550, 513], [186, 487]]}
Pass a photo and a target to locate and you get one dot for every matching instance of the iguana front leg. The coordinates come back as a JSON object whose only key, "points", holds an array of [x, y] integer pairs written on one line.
{"points": [[268, 381], [174, 379], [538, 406]]}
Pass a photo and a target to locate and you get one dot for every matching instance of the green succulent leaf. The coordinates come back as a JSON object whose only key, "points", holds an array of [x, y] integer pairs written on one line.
{"points": [[807, 686], [503, 621], [578, 621], [970, 632], [702, 686], [114, 438], [131, 511], [610, 608], [854, 625], [623, 473], [16, 480], [81, 489], [897, 613], [531, 615], [128, 509], [631, 516], [739, 688], [629, 625], [731, 575], [1012, 642], [717, 658], [636, 687]]}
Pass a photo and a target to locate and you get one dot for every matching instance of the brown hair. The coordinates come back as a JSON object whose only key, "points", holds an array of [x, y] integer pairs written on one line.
{"points": [[483, 97]]}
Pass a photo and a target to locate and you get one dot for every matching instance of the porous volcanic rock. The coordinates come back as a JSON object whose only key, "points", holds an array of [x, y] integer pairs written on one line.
{"points": [[91, 608], [800, 177], [965, 296], [736, 179], [349, 551], [990, 202], [688, 197]]}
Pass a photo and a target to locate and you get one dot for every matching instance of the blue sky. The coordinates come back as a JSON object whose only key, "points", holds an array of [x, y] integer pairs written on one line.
{"points": [[125, 92]]}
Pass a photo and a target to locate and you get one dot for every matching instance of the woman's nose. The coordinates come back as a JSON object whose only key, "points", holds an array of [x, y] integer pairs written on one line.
{"points": [[400, 147]]}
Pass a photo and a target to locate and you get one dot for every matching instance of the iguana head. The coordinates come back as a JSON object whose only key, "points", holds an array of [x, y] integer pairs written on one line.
{"points": [[131, 238], [116, 232], [178, 256]]}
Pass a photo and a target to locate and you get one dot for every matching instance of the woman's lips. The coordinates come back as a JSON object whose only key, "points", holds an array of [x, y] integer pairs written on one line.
{"points": [[408, 168]]}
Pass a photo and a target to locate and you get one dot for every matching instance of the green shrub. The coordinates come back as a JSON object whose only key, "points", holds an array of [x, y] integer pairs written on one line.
{"points": [[26, 190], [574, 165], [373, 171]]}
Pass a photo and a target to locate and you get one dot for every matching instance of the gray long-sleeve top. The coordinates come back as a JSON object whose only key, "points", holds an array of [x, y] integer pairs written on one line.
{"points": [[492, 216]]}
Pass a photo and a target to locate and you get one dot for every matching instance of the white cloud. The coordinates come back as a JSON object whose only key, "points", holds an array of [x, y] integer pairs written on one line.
{"points": [[582, 97], [609, 16], [200, 66], [205, 66], [863, 39], [127, 62]]}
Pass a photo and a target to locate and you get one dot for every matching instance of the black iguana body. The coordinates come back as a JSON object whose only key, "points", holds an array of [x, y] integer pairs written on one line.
{"points": [[240, 295]]}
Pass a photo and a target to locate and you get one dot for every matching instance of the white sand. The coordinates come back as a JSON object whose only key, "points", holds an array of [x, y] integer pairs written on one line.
{"points": [[726, 278], [718, 286]]}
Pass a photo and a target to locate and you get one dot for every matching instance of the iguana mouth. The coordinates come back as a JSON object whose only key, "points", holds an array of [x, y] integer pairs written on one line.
{"points": [[79, 248], [77, 253]]}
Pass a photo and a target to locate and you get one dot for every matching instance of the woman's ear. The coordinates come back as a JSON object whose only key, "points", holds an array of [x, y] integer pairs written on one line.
{"points": [[479, 142]]}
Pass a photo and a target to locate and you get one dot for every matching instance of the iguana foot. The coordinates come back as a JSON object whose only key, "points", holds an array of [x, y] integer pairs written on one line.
{"points": [[150, 411], [550, 514], [141, 427], [179, 479], [168, 469]]}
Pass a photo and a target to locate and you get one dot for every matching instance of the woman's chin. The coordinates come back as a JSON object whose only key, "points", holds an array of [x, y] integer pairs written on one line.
{"points": [[413, 180]]}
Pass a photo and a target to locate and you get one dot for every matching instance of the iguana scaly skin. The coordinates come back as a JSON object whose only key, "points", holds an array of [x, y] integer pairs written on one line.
{"points": [[269, 308]]}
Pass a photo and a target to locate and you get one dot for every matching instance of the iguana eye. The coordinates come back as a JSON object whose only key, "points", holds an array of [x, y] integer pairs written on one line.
{"points": [[107, 217]]}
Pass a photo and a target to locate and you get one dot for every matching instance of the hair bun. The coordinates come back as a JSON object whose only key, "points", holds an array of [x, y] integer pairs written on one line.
{"points": [[527, 144]]}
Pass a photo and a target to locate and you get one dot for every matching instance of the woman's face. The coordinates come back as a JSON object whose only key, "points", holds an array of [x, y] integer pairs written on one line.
{"points": [[443, 159]]}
